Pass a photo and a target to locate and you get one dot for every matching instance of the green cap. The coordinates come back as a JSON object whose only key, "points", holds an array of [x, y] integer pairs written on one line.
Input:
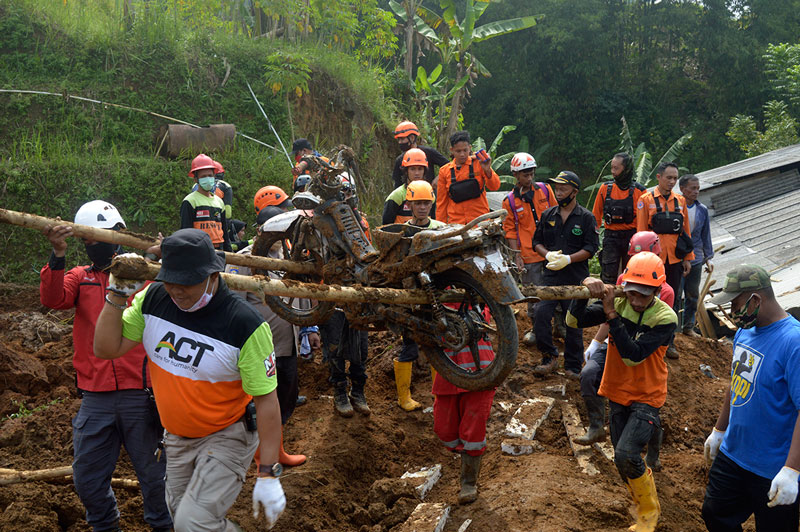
{"points": [[743, 278]]}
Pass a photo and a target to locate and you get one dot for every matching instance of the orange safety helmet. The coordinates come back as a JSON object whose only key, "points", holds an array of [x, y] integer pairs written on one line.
{"points": [[414, 157], [644, 241], [405, 129], [269, 195], [218, 168], [201, 162], [419, 190], [645, 268]]}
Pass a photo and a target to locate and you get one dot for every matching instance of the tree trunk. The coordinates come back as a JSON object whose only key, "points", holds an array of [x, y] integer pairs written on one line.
{"points": [[410, 12], [13, 476]]}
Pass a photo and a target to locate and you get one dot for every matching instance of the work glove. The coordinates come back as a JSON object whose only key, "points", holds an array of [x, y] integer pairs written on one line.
{"points": [[708, 266], [783, 489], [557, 260], [711, 447], [124, 287], [269, 493], [592, 349]]}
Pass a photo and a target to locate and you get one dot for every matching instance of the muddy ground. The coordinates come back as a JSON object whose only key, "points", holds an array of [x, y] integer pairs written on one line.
{"points": [[336, 489]]}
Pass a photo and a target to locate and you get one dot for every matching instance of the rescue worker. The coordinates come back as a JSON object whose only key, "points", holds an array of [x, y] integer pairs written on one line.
{"points": [[116, 404], [271, 195], [202, 209], [700, 224], [525, 205], [665, 214], [300, 148], [342, 344], [460, 417], [221, 189], [595, 360], [286, 337], [635, 374], [420, 199], [615, 208], [567, 238], [461, 190], [236, 230], [396, 209], [213, 368], [407, 135], [754, 448]]}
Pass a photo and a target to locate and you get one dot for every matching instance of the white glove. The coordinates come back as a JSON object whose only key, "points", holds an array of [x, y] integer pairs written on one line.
{"points": [[269, 493], [709, 265], [126, 287], [711, 447], [557, 260], [592, 349], [783, 489]]}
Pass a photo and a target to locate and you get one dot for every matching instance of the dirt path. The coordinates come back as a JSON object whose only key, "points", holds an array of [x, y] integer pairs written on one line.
{"points": [[544, 491]]}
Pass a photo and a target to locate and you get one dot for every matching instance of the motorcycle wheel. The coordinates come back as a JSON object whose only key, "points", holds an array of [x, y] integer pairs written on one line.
{"points": [[500, 331], [288, 308]]}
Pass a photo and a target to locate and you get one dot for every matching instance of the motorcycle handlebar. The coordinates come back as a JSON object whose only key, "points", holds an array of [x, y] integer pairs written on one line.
{"points": [[461, 230]]}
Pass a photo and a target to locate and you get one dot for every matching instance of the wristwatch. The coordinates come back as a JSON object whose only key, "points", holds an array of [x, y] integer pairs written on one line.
{"points": [[270, 470]]}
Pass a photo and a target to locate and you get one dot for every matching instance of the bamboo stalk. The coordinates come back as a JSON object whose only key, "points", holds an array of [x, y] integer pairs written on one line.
{"points": [[140, 241], [139, 269], [13, 476], [549, 293]]}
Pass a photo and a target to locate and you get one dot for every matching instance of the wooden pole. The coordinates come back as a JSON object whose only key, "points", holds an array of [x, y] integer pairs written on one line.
{"points": [[549, 293], [13, 476], [139, 241], [139, 269]]}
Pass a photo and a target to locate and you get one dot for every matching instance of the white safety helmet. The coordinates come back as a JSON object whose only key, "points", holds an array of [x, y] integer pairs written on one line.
{"points": [[99, 213], [522, 161]]}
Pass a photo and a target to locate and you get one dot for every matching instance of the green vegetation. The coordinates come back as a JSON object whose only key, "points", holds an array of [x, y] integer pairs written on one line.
{"points": [[24, 411]]}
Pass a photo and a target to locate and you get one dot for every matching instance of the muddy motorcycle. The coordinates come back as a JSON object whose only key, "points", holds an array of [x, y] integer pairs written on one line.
{"points": [[464, 271]]}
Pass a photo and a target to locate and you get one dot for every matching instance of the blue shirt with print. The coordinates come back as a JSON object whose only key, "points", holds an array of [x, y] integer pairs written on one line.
{"points": [[765, 396]]}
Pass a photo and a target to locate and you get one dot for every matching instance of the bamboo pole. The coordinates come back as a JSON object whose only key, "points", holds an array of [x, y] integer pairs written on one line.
{"points": [[549, 293], [140, 241], [13, 476], [139, 269]]}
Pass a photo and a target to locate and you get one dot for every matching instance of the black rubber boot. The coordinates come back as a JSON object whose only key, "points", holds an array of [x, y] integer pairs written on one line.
{"points": [[596, 407], [359, 400], [341, 402], [653, 449], [470, 468]]}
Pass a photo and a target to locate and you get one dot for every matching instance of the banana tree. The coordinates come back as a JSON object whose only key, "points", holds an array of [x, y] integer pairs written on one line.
{"points": [[453, 43], [643, 169]]}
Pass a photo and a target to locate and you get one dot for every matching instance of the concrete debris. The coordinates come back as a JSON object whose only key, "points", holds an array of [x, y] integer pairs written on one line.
{"points": [[465, 525], [574, 428], [528, 417], [424, 479], [426, 517], [428, 410], [520, 446], [706, 370], [560, 389]]}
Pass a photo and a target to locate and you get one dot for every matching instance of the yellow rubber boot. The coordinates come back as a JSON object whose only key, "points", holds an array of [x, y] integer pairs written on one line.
{"points": [[648, 509], [402, 377]]}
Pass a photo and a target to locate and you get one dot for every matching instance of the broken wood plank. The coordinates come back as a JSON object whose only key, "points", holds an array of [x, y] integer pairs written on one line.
{"points": [[528, 417], [13, 476], [426, 517]]}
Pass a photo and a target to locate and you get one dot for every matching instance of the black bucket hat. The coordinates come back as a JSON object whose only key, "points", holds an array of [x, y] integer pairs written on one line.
{"points": [[188, 257], [301, 144]]}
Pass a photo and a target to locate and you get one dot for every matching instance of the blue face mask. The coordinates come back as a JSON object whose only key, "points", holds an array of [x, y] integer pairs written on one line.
{"points": [[206, 183]]}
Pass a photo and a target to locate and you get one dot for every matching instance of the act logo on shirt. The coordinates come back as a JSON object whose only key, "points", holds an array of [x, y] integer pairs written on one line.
{"points": [[184, 352], [746, 363]]}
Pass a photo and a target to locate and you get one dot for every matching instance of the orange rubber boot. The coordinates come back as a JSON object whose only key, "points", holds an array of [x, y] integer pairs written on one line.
{"points": [[289, 460]]}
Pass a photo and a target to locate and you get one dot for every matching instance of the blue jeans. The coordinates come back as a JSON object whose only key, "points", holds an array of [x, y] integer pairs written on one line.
{"points": [[691, 293], [105, 422]]}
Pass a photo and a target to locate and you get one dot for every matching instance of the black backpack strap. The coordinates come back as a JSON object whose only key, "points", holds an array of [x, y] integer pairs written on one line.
{"points": [[609, 186], [472, 168], [452, 175]]}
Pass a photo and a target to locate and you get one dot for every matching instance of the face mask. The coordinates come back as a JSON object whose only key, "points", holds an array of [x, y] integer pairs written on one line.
{"points": [[202, 302], [101, 254], [404, 146], [206, 183], [744, 319], [624, 180], [566, 201]]}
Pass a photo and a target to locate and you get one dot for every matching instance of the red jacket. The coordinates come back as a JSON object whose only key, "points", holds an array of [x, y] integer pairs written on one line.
{"points": [[84, 288]]}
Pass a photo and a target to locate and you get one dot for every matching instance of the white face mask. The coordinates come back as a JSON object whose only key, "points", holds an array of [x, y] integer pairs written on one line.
{"points": [[200, 303]]}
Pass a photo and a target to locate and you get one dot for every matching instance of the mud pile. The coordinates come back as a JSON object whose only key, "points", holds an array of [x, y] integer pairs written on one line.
{"points": [[348, 483]]}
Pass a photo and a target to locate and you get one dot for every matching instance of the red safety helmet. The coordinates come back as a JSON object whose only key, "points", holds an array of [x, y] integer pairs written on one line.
{"points": [[218, 168], [201, 162], [269, 195], [644, 241], [645, 268], [405, 129], [414, 157]]}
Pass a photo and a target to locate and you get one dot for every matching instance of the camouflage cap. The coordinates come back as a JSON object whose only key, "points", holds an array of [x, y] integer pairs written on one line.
{"points": [[743, 278]]}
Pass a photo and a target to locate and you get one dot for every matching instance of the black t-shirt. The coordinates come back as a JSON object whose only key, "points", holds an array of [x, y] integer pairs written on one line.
{"points": [[577, 233], [434, 159]]}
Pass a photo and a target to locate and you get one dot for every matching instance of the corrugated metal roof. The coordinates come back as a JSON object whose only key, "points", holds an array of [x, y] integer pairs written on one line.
{"points": [[747, 167]]}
